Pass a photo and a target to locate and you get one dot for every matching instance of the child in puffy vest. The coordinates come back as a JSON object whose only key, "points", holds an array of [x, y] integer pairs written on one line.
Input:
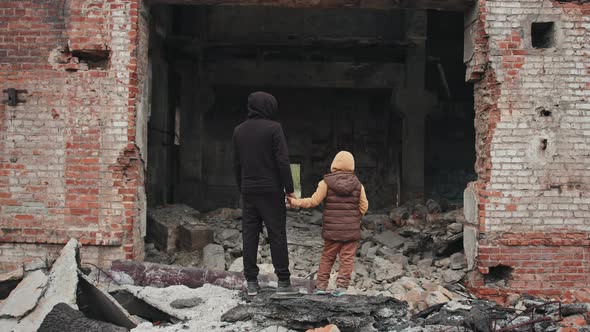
{"points": [[345, 202]]}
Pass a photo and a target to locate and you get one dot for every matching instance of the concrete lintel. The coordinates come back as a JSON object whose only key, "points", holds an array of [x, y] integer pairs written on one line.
{"points": [[449, 5]]}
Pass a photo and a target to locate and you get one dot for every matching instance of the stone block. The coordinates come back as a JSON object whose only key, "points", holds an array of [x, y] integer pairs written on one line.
{"points": [[214, 257], [194, 237], [164, 235]]}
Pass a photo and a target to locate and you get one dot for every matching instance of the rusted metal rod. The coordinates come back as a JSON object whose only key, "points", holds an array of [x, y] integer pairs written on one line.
{"points": [[530, 322]]}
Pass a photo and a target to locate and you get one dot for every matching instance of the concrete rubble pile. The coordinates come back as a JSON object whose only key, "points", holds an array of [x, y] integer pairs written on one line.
{"points": [[412, 253], [67, 296], [213, 308], [61, 298]]}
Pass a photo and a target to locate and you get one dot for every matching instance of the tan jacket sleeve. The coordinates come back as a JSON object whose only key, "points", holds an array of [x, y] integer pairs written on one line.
{"points": [[363, 203], [315, 199]]}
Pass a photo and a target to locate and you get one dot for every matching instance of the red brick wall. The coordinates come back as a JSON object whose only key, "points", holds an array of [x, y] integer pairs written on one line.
{"points": [[69, 162], [533, 202]]}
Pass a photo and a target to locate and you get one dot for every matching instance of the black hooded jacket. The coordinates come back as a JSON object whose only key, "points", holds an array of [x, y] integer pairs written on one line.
{"points": [[261, 156]]}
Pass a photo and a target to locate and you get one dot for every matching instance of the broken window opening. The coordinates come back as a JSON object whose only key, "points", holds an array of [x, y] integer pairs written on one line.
{"points": [[543, 34]]}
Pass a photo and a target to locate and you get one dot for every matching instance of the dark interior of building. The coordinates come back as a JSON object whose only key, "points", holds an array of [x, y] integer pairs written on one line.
{"points": [[386, 85]]}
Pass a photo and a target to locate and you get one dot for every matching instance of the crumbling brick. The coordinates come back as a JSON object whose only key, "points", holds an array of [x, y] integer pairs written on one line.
{"points": [[531, 153], [78, 60]]}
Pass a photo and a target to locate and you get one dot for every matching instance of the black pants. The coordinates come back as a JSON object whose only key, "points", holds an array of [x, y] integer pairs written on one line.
{"points": [[270, 208]]}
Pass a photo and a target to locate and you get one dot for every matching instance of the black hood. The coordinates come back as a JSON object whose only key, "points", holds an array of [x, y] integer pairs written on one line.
{"points": [[262, 105]]}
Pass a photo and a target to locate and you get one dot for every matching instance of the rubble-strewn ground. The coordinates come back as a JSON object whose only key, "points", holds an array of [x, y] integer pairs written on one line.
{"points": [[206, 316], [407, 278], [412, 253]]}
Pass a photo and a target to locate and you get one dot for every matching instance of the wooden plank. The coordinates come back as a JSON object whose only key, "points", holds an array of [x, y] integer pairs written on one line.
{"points": [[452, 5]]}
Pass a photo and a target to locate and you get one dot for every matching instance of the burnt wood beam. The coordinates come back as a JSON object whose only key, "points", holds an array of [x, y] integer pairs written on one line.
{"points": [[451, 5], [305, 74], [183, 41]]}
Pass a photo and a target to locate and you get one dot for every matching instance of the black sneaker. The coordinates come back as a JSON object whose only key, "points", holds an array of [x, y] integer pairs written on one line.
{"points": [[252, 288], [284, 288]]}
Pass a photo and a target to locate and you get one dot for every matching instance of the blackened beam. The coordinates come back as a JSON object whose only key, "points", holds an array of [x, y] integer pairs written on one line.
{"points": [[160, 275], [449, 5], [312, 42], [305, 74]]}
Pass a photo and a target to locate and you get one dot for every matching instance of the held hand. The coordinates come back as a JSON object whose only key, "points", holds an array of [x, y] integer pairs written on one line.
{"points": [[291, 201]]}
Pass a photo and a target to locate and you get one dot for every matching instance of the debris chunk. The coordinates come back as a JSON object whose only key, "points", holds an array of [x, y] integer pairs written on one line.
{"points": [[194, 237], [214, 257], [390, 239], [312, 311], [25, 296], [186, 303], [63, 318], [61, 288]]}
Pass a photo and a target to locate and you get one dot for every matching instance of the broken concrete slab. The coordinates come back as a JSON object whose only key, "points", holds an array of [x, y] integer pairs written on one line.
{"points": [[100, 305], [194, 237], [390, 239], [9, 281], [37, 264], [214, 257], [350, 312], [386, 270], [140, 308], [160, 298], [61, 287], [25, 296], [64, 318]]}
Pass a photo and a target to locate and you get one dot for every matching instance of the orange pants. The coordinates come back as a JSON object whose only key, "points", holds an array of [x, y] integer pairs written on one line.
{"points": [[346, 252]]}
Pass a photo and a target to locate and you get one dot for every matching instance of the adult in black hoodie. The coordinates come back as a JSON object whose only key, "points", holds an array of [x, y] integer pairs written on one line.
{"points": [[263, 174]]}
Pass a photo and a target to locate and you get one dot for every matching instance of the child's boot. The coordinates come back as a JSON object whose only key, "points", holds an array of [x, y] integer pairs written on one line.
{"points": [[339, 292], [320, 291]]}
